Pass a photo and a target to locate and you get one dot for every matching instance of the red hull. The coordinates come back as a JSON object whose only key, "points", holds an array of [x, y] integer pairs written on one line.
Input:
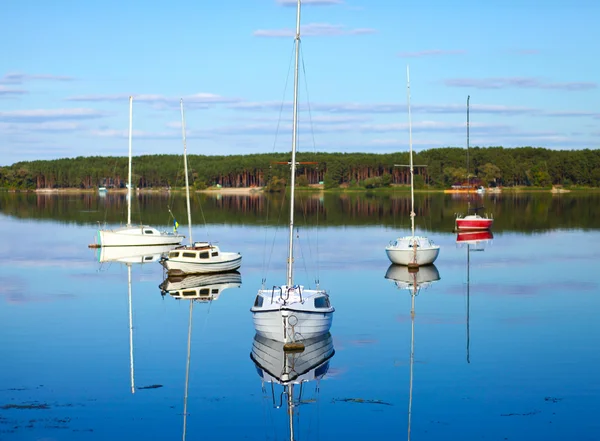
{"points": [[474, 224]]}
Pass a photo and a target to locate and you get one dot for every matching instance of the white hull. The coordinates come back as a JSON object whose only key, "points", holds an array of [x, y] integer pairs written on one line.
{"points": [[402, 252], [270, 324], [179, 266], [406, 256], [137, 236]]}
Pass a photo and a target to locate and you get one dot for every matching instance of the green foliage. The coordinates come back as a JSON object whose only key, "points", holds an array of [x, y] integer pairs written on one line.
{"points": [[444, 167], [275, 184], [302, 181]]}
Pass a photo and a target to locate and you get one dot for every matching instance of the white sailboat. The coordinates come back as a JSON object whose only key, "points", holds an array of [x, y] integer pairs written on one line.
{"points": [[289, 312], [197, 257], [135, 235], [412, 281], [412, 251], [288, 369]]}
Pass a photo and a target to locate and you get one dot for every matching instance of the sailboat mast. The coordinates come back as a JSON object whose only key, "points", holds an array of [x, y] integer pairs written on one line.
{"points": [[468, 175], [412, 184], [130, 329], [294, 141], [187, 184], [129, 164]]}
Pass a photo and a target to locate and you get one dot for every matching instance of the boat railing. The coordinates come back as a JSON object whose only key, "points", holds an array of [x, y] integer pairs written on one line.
{"points": [[273, 292]]}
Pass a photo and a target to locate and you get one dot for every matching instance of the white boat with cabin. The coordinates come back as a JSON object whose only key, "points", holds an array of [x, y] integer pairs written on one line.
{"points": [[197, 257], [292, 313]]}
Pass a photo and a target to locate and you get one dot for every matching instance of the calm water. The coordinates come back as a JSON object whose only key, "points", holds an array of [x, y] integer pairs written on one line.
{"points": [[512, 355]]}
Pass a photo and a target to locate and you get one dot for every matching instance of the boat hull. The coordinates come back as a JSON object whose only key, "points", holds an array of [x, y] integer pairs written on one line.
{"points": [[181, 266], [270, 324], [407, 256], [402, 251], [474, 224], [137, 236]]}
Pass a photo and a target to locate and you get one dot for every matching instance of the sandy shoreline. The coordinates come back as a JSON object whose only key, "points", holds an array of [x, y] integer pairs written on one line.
{"points": [[233, 191]]}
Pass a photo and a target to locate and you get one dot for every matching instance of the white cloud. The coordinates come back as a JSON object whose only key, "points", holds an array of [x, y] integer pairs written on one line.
{"points": [[518, 82], [314, 30], [5, 91], [39, 115], [310, 2], [20, 78], [196, 100], [431, 52]]}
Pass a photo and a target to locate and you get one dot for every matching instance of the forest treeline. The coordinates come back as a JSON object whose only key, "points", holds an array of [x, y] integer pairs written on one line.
{"points": [[434, 168]]}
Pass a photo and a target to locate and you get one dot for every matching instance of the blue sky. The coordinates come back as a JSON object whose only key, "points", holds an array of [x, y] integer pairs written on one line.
{"points": [[67, 68]]}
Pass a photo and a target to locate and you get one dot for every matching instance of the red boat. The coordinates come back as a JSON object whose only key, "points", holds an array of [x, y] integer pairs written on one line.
{"points": [[474, 236], [474, 222]]}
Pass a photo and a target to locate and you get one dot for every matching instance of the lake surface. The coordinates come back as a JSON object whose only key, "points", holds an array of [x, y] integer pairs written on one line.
{"points": [[504, 339]]}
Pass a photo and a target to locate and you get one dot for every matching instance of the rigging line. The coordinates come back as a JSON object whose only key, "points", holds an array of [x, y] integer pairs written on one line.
{"points": [[281, 207], [317, 263], [287, 79], [197, 198]]}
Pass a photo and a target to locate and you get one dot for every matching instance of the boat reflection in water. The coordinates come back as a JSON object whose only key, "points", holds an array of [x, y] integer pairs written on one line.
{"points": [[474, 241], [200, 287], [412, 281], [203, 288], [283, 370], [128, 256]]}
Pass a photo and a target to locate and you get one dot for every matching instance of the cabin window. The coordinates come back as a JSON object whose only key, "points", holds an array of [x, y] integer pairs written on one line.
{"points": [[204, 255], [215, 291], [322, 302], [188, 293], [189, 255], [146, 258], [148, 232], [204, 291], [258, 302], [173, 254], [215, 254]]}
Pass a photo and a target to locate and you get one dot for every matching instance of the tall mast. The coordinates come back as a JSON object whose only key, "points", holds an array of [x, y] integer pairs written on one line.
{"points": [[294, 141], [468, 175], [187, 185], [412, 187], [129, 173]]}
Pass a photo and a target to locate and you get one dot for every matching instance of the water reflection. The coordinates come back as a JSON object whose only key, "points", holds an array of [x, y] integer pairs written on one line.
{"points": [[284, 370], [200, 287], [131, 255], [412, 281], [203, 288], [473, 241]]}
